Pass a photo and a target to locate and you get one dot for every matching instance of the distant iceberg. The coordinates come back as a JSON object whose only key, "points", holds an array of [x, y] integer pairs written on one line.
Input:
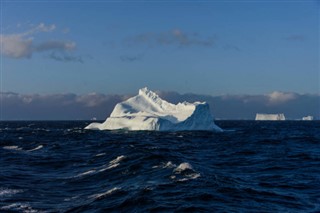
{"points": [[147, 111], [307, 118], [270, 117]]}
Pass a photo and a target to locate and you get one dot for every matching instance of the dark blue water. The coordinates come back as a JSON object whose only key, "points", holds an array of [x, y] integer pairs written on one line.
{"points": [[251, 167]]}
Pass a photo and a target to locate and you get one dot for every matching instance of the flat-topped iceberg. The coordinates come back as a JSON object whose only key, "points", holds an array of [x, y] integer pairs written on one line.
{"points": [[270, 117], [147, 111]]}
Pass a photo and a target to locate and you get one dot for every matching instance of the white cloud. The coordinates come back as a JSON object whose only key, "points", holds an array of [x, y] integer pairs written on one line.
{"points": [[15, 46], [86, 106], [280, 97], [23, 45], [43, 28]]}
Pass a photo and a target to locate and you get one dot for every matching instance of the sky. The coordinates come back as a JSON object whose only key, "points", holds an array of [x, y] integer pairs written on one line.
{"points": [[213, 48]]}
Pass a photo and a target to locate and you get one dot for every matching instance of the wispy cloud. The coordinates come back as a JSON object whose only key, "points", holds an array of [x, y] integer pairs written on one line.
{"points": [[131, 58], [55, 45], [65, 58], [24, 45], [175, 37]]}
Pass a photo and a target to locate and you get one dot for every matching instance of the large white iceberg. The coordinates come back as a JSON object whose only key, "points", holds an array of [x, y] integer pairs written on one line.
{"points": [[147, 111]]}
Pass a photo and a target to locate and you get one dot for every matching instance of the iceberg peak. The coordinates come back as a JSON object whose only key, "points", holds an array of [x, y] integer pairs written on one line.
{"points": [[146, 91], [147, 111]]}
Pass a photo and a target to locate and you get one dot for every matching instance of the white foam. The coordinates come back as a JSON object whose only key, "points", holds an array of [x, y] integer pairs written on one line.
{"points": [[186, 171], [182, 167], [12, 148], [86, 173], [9, 192], [100, 154], [101, 195], [169, 164], [113, 163], [38, 147], [109, 167], [118, 159], [20, 207], [190, 177]]}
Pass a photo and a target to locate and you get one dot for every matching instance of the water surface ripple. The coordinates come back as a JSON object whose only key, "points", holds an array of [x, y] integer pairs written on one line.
{"points": [[250, 167]]}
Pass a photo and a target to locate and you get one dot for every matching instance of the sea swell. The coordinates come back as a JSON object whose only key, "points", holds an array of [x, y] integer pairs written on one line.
{"points": [[252, 166]]}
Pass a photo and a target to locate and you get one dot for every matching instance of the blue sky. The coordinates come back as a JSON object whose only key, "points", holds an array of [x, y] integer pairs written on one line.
{"points": [[202, 47]]}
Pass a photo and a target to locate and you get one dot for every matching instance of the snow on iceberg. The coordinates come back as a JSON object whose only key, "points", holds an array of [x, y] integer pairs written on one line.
{"points": [[147, 111]]}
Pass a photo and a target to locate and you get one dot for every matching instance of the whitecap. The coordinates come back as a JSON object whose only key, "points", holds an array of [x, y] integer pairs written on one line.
{"points": [[190, 177], [109, 167], [101, 195], [9, 192], [183, 167], [169, 164], [12, 147], [20, 207], [38, 147], [100, 154], [113, 164], [117, 160], [185, 172], [85, 173]]}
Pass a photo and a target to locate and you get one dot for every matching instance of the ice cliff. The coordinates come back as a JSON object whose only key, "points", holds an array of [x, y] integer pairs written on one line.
{"points": [[147, 111]]}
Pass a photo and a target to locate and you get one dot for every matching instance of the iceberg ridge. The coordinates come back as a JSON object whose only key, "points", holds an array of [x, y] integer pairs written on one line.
{"points": [[147, 111]]}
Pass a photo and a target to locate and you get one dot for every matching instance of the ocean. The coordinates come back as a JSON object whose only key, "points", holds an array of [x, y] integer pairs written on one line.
{"points": [[253, 166]]}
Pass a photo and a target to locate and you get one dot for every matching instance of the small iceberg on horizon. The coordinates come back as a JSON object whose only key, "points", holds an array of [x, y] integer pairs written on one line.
{"points": [[147, 111], [307, 118], [270, 117]]}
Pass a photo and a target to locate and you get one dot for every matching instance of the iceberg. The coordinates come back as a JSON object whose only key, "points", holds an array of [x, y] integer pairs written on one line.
{"points": [[270, 117], [307, 118], [147, 111]]}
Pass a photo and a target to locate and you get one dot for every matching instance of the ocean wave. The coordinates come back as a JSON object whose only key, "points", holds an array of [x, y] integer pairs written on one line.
{"points": [[16, 148], [20, 207], [169, 164], [183, 167], [8, 192], [112, 171], [113, 163], [117, 160], [85, 173], [38, 147], [104, 194], [185, 172], [189, 177]]}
